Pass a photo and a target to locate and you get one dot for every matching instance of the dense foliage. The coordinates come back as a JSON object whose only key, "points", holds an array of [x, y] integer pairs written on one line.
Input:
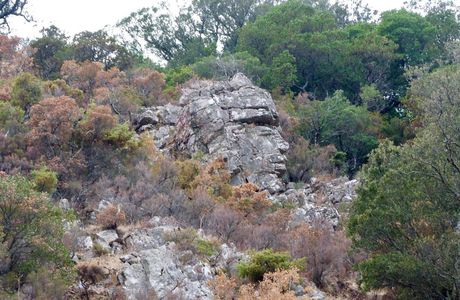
{"points": [[406, 215], [31, 229]]}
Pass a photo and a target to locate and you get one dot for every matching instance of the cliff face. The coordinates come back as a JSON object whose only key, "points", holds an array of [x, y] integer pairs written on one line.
{"points": [[232, 119]]}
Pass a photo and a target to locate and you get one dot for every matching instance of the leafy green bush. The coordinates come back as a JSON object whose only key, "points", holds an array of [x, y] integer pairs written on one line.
{"points": [[351, 129], [11, 118], [99, 250], [45, 180], [178, 76], [27, 90], [187, 171], [266, 261], [122, 136], [205, 247], [33, 229]]}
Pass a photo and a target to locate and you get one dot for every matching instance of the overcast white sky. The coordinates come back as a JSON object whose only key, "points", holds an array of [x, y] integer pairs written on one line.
{"points": [[74, 16]]}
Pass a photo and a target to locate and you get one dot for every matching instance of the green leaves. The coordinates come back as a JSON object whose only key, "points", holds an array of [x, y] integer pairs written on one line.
{"points": [[45, 180], [413, 34], [408, 207], [123, 137], [267, 261], [352, 129], [27, 90], [31, 229], [283, 72]]}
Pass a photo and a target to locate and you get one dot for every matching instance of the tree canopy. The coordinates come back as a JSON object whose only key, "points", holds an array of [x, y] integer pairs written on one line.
{"points": [[406, 214], [10, 8]]}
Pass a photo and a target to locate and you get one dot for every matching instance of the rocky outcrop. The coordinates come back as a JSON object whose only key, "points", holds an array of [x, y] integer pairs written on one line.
{"points": [[159, 269], [231, 119], [158, 265], [238, 121], [159, 121], [105, 238], [319, 200]]}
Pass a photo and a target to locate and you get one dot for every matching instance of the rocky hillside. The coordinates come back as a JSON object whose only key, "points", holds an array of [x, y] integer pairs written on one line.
{"points": [[160, 258], [238, 121], [329, 170], [231, 119]]}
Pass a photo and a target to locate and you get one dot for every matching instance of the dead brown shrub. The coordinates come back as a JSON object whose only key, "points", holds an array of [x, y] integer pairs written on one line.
{"points": [[110, 217]]}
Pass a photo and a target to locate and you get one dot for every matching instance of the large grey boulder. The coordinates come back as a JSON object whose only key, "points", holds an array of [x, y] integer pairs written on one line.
{"points": [[85, 243], [231, 119], [105, 237], [164, 115]]}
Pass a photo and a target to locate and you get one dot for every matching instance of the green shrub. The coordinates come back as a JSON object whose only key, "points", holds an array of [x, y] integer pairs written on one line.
{"points": [[27, 90], [44, 180], [178, 76], [205, 247], [99, 250], [187, 171], [11, 118], [122, 136], [37, 224], [339, 159], [266, 261]]}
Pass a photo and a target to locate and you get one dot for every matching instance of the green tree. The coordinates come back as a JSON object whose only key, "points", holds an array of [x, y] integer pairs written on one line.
{"points": [[327, 56], [27, 90], [10, 8], [221, 68], [283, 72], [31, 232], [352, 129], [98, 46], [50, 52], [447, 27], [413, 34], [179, 40], [415, 40], [196, 32], [407, 211], [225, 18], [372, 98]]}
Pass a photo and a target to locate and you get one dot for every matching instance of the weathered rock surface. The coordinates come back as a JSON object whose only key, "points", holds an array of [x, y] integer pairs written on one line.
{"points": [[161, 270], [319, 200], [158, 265], [159, 121], [106, 237], [85, 243], [238, 121], [233, 119]]}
